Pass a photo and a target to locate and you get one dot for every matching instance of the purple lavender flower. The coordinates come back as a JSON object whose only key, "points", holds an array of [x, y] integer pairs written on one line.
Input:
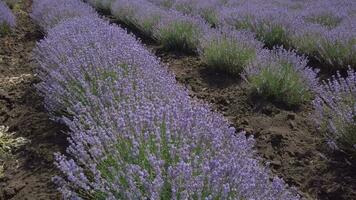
{"points": [[270, 23], [325, 30], [141, 14], [135, 133], [48, 13], [335, 110]]}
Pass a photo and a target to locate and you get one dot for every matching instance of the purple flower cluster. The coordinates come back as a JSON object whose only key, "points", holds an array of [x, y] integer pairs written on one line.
{"points": [[140, 14], [7, 18], [269, 22], [323, 29], [48, 13], [172, 29], [135, 133], [335, 112]]}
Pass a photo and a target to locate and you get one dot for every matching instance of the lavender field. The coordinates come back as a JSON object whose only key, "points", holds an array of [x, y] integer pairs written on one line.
{"points": [[178, 99]]}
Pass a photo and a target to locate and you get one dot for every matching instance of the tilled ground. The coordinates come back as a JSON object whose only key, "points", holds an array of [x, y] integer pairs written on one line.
{"points": [[28, 173]]}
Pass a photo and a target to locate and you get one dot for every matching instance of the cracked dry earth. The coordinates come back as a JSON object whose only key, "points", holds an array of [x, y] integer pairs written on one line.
{"points": [[28, 172]]}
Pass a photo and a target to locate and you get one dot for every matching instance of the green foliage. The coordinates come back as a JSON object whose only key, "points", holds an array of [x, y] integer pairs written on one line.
{"points": [[327, 19], [281, 84], [227, 54], [115, 165], [8, 141], [345, 129], [148, 24], [210, 16], [338, 54], [76, 88], [4, 30], [12, 3], [306, 43], [272, 34], [167, 3], [180, 35]]}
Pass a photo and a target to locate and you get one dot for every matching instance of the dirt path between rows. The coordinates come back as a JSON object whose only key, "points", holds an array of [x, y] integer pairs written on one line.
{"points": [[28, 173]]}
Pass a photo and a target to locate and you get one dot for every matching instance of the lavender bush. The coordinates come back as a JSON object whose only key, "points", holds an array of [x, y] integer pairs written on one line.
{"points": [[229, 50], [335, 111], [180, 32], [141, 14], [7, 19], [307, 39], [11, 3], [209, 11], [126, 11], [322, 29], [271, 24], [135, 133], [187, 7], [163, 3], [325, 31], [104, 5], [325, 19], [47, 13], [338, 49], [282, 76], [67, 61]]}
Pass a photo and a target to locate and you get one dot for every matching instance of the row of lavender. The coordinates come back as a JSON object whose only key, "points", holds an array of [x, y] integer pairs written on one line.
{"points": [[7, 19], [323, 29], [277, 75], [135, 134], [237, 52]]}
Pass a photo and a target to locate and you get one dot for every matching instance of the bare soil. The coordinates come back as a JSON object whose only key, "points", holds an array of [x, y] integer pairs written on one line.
{"points": [[29, 171]]}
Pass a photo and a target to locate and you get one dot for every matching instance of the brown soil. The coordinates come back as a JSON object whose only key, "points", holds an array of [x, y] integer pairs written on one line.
{"points": [[286, 139], [28, 172]]}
